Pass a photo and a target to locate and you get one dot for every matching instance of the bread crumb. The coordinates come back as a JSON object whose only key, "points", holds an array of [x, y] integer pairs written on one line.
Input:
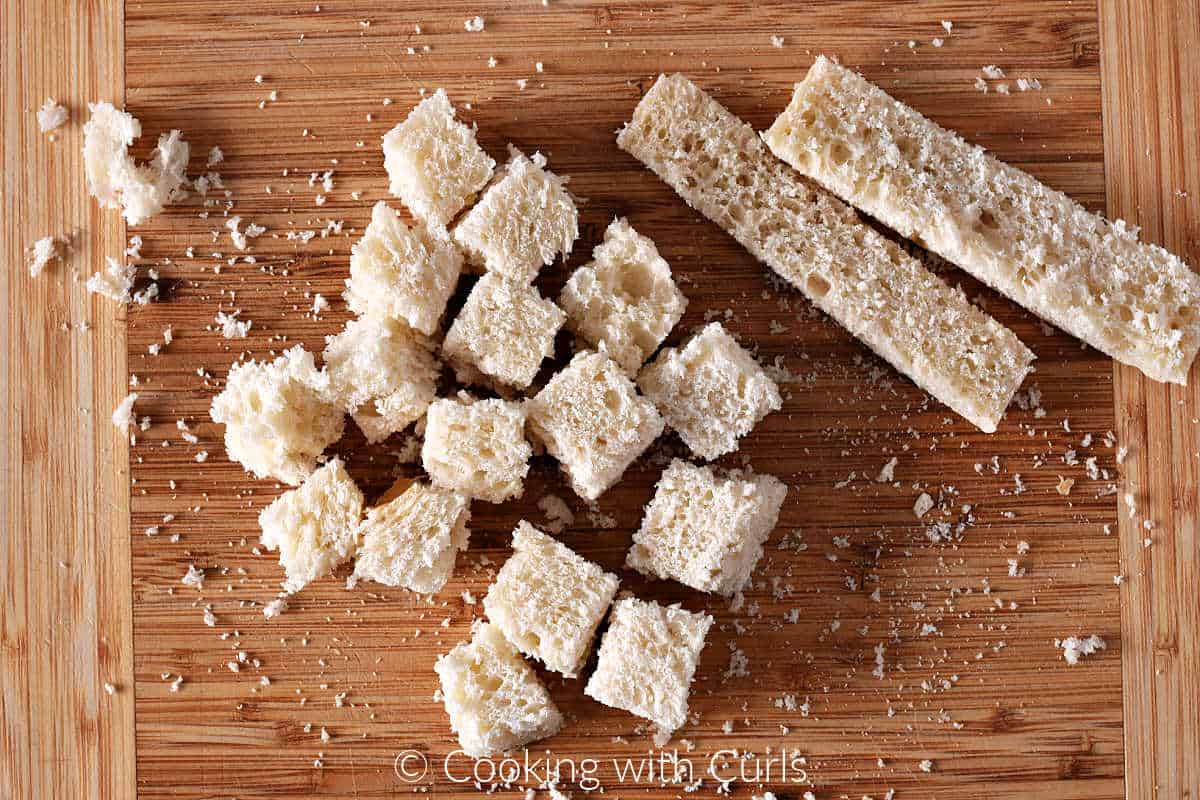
{"points": [[1074, 648], [193, 577], [115, 281], [888, 473], [923, 505], [474, 24], [232, 327], [51, 115], [44, 251], [274, 608], [123, 415]]}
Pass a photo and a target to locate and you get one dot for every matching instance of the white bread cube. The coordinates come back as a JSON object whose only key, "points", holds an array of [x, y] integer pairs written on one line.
{"points": [[314, 527], [383, 373], [413, 539], [525, 219], [548, 601], [1091, 277], [624, 300], [505, 330], [494, 699], [401, 272], [910, 317], [279, 416], [648, 657], [711, 391], [706, 531], [434, 163], [591, 418], [477, 447]]}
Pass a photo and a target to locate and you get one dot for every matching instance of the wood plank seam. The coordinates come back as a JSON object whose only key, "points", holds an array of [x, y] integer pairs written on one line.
{"points": [[1152, 123]]}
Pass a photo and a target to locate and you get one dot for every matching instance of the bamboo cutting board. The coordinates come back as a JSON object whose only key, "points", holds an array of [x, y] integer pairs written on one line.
{"points": [[971, 680]]}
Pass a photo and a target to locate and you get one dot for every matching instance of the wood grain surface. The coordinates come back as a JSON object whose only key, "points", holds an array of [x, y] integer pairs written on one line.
{"points": [[65, 618], [1152, 160], [971, 678]]}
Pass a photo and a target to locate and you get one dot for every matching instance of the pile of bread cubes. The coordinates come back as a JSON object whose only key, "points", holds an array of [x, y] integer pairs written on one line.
{"points": [[596, 416]]}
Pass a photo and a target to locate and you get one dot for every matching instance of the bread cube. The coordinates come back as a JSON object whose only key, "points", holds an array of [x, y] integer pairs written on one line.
{"points": [[504, 331], [525, 219], [382, 373], [278, 416], [412, 540], [477, 447], [706, 531], [712, 392], [624, 300], [548, 601], [314, 527], [401, 272], [494, 699], [648, 657], [434, 163], [591, 418]]}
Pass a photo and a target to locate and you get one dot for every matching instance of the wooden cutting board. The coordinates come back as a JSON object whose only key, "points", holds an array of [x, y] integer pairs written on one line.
{"points": [[971, 679]]}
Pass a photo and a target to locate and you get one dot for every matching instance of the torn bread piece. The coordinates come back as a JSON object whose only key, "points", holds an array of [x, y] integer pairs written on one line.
{"points": [[648, 657], [433, 162], [412, 540], [711, 391], [278, 416], [548, 600], [495, 700], [524, 220], [1093, 278], [591, 418], [402, 272], [315, 527], [504, 332], [706, 530], [625, 300], [383, 373], [905, 313], [116, 180]]}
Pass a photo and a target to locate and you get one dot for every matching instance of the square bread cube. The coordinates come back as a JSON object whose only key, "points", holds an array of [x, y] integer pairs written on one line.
{"points": [[477, 447], [711, 391], [525, 219], [413, 539], [625, 300], [504, 331], [401, 272], [706, 531], [433, 161], [494, 699], [548, 600], [383, 373], [278, 416], [647, 660], [314, 527], [591, 418]]}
